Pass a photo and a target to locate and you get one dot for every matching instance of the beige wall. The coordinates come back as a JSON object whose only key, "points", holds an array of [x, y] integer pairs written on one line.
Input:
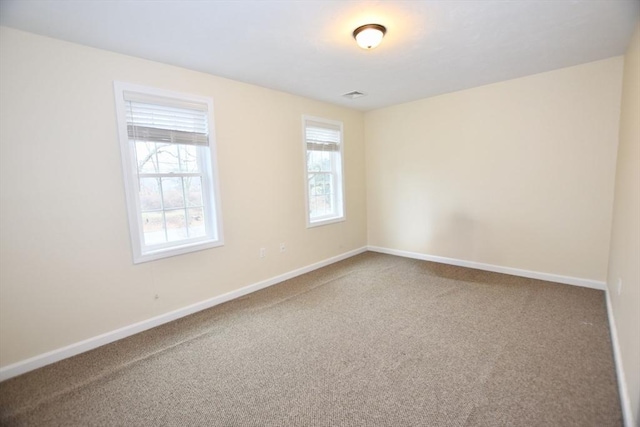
{"points": [[67, 272], [624, 259], [516, 174]]}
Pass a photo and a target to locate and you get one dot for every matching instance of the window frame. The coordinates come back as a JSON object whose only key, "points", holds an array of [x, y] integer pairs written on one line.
{"points": [[338, 173], [210, 183]]}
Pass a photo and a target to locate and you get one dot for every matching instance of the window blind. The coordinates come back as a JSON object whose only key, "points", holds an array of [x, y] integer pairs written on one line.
{"points": [[158, 121], [322, 136]]}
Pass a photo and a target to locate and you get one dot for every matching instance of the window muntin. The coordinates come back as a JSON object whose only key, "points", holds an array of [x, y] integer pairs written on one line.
{"points": [[169, 164], [323, 163]]}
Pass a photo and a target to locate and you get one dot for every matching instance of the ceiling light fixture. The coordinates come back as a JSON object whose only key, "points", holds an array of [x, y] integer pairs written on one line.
{"points": [[369, 36]]}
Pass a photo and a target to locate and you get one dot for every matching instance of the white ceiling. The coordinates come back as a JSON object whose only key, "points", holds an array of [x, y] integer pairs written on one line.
{"points": [[306, 47]]}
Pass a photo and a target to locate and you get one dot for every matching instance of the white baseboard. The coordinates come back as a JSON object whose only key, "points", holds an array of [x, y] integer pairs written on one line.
{"points": [[625, 402], [50, 357], [576, 281]]}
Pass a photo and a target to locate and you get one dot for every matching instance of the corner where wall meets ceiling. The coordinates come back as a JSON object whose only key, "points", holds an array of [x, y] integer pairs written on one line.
{"points": [[307, 48]]}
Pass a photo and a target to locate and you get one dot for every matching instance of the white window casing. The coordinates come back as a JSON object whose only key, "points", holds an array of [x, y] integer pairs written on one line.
{"points": [[170, 171], [324, 171]]}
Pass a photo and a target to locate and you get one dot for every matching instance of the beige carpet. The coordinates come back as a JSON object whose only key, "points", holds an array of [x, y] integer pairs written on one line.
{"points": [[375, 340]]}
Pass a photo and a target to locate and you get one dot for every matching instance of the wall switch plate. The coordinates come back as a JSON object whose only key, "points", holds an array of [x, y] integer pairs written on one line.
{"points": [[263, 252], [282, 247], [619, 285]]}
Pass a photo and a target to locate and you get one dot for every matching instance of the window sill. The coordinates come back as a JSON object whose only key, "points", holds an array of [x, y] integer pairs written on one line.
{"points": [[318, 223], [176, 250]]}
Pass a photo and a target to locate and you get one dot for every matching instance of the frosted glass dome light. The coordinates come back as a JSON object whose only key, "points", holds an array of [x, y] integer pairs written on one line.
{"points": [[369, 36]]}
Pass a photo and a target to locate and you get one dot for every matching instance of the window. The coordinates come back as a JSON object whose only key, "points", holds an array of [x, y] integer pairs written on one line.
{"points": [[323, 159], [169, 165]]}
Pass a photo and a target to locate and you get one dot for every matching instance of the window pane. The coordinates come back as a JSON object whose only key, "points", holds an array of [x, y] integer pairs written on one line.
{"points": [[188, 158], [196, 222], [176, 225], [168, 158], [320, 183], [193, 190], [327, 204], [172, 194], [146, 157], [313, 179], [321, 196], [313, 207], [321, 206], [327, 185], [150, 198], [319, 161], [153, 228], [314, 161], [326, 161]]}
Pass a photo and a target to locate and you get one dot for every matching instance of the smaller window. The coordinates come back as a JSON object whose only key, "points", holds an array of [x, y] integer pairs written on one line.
{"points": [[169, 165], [323, 171]]}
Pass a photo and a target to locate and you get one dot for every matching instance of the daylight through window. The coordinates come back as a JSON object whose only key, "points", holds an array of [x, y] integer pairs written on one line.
{"points": [[168, 155], [323, 147]]}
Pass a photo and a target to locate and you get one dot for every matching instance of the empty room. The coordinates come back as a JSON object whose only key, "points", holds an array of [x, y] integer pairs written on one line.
{"points": [[320, 213]]}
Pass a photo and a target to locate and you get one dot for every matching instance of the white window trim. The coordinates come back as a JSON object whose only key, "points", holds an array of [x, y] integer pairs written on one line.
{"points": [[333, 219], [129, 171]]}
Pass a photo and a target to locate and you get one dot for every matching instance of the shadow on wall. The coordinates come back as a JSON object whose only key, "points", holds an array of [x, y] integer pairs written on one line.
{"points": [[456, 236], [464, 238]]}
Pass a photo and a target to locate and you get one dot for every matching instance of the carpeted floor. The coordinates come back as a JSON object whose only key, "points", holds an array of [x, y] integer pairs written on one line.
{"points": [[374, 340]]}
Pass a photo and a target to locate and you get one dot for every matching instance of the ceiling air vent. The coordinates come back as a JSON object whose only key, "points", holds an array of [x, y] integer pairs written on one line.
{"points": [[353, 95]]}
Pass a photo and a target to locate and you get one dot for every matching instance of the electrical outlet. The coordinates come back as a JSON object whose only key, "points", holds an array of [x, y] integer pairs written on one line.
{"points": [[282, 247], [263, 252], [156, 296], [619, 285]]}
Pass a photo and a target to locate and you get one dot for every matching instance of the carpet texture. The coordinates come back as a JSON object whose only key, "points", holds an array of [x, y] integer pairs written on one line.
{"points": [[375, 340]]}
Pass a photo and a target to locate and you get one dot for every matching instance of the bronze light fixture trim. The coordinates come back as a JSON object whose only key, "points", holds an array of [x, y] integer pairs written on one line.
{"points": [[369, 36]]}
